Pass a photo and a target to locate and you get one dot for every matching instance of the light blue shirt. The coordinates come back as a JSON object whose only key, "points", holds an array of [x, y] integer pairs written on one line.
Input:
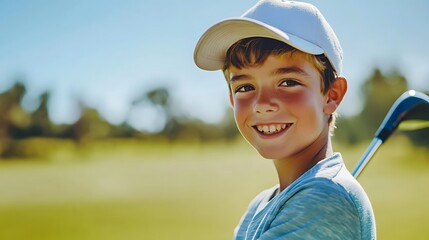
{"points": [[326, 202]]}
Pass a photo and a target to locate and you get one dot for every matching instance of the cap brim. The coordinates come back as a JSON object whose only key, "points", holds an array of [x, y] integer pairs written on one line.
{"points": [[211, 49]]}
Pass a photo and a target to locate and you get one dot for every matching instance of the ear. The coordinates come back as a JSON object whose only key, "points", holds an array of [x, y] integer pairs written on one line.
{"points": [[335, 95], [231, 100]]}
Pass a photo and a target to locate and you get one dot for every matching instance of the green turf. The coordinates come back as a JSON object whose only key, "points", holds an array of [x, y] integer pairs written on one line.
{"points": [[146, 190]]}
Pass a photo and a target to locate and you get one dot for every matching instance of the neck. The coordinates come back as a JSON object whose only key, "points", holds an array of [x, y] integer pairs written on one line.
{"points": [[293, 167]]}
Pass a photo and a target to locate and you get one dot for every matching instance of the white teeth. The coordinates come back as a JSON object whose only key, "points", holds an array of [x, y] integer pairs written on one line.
{"points": [[266, 129], [272, 128]]}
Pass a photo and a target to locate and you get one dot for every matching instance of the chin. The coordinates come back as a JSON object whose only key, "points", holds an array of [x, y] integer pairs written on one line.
{"points": [[269, 154]]}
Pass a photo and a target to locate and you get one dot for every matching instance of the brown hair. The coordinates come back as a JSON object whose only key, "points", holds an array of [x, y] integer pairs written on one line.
{"points": [[255, 50]]}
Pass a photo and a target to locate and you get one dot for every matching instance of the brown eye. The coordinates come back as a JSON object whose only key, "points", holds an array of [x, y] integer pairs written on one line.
{"points": [[245, 88], [289, 83]]}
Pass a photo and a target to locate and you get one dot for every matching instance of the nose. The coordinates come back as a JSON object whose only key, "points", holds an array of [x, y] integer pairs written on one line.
{"points": [[265, 103]]}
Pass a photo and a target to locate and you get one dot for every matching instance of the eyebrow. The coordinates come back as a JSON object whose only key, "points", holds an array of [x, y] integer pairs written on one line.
{"points": [[238, 77], [279, 71], [287, 70]]}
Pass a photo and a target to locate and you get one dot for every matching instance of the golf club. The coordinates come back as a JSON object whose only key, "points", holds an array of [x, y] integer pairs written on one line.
{"points": [[410, 106]]}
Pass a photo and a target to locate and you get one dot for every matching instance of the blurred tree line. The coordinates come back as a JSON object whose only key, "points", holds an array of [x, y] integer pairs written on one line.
{"points": [[17, 123], [378, 92]]}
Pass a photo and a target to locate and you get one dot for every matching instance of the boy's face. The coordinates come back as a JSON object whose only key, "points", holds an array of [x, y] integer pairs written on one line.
{"points": [[278, 106]]}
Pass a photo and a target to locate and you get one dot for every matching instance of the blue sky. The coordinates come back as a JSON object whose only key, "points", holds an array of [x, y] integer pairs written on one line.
{"points": [[107, 52]]}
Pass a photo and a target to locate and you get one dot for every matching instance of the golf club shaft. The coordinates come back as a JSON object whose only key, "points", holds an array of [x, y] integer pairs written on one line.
{"points": [[372, 148]]}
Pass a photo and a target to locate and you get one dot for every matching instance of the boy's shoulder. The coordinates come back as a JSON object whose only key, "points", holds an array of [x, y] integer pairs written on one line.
{"points": [[329, 177], [327, 195], [325, 201]]}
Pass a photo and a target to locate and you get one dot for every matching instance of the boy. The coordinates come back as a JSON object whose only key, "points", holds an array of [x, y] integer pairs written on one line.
{"points": [[282, 62]]}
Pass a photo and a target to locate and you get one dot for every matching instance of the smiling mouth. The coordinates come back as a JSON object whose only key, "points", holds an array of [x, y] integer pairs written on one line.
{"points": [[270, 129]]}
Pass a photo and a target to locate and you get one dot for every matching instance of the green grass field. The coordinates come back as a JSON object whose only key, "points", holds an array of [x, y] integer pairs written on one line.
{"points": [[143, 190]]}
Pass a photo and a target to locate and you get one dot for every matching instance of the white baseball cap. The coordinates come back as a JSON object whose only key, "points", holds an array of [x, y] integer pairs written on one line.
{"points": [[301, 25]]}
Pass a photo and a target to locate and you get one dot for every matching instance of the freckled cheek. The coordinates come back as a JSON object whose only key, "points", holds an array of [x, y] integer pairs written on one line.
{"points": [[297, 101], [242, 109], [302, 106], [305, 108]]}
